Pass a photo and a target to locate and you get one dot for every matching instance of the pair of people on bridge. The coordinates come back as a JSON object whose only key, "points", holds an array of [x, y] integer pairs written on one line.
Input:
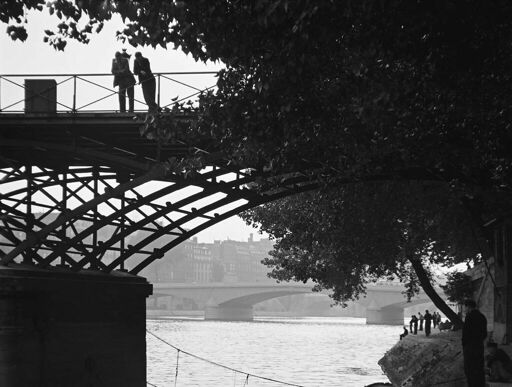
{"points": [[124, 78]]}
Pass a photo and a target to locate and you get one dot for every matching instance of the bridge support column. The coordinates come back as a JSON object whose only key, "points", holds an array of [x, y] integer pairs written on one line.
{"points": [[385, 315], [66, 329], [228, 313]]}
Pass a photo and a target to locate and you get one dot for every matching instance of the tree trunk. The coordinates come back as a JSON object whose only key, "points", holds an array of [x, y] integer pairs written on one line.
{"points": [[431, 292]]}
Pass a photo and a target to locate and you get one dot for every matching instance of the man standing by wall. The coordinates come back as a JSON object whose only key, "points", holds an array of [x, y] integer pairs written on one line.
{"points": [[142, 68], [474, 332]]}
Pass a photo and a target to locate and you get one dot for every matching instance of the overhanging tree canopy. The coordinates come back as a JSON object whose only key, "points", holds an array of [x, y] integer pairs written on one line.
{"points": [[365, 87], [366, 90], [345, 237]]}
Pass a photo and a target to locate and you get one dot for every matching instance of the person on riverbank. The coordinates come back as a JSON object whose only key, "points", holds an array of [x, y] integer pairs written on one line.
{"points": [[445, 326], [498, 364], [420, 318], [413, 324], [406, 332], [474, 332], [428, 322]]}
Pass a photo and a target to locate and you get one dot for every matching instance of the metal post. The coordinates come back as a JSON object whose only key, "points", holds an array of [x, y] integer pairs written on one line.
{"points": [[29, 222], [121, 242], [0, 93], [158, 90], [74, 93], [63, 208], [96, 176]]}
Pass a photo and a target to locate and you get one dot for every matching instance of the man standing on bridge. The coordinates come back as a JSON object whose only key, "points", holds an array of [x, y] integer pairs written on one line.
{"points": [[123, 78], [142, 68]]}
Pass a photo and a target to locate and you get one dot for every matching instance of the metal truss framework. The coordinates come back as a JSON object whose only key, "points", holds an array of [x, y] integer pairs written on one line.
{"points": [[81, 189], [95, 217]]}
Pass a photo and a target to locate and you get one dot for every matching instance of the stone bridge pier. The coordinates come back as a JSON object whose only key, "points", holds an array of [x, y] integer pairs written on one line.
{"points": [[230, 312], [388, 315], [384, 303], [64, 329]]}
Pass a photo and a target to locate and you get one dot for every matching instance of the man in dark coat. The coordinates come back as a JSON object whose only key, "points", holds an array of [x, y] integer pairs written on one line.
{"points": [[142, 68], [413, 325], [123, 78], [420, 318], [474, 332], [428, 321]]}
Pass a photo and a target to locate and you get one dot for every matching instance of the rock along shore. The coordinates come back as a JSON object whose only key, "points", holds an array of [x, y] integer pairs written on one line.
{"points": [[420, 361]]}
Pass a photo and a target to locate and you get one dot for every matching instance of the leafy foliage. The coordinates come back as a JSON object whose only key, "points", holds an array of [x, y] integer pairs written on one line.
{"points": [[458, 287], [345, 237], [365, 88]]}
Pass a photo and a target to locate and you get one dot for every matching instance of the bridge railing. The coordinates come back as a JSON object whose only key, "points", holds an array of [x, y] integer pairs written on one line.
{"points": [[75, 93]]}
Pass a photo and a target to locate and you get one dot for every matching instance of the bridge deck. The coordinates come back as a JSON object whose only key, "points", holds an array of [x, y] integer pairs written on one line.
{"points": [[53, 140]]}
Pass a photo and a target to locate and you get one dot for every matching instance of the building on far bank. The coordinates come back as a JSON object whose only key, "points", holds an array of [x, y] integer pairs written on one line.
{"points": [[222, 261], [241, 261]]}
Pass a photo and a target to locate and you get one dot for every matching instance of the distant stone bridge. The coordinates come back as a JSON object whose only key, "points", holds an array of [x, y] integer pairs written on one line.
{"points": [[384, 301]]}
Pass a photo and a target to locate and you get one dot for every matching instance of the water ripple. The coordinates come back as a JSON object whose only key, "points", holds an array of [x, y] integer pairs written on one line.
{"points": [[327, 352]]}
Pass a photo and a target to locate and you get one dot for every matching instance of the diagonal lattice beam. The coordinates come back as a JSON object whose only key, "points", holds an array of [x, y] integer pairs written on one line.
{"points": [[155, 173]]}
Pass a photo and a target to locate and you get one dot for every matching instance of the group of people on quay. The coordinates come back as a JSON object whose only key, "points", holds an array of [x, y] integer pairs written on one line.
{"points": [[496, 363], [426, 320], [124, 78]]}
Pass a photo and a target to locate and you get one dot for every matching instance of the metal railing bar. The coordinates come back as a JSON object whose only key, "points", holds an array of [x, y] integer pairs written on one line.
{"points": [[136, 84], [95, 84], [74, 108], [74, 93], [189, 96], [107, 74], [97, 100], [113, 111], [59, 112], [181, 83], [39, 94], [113, 92], [23, 87]]}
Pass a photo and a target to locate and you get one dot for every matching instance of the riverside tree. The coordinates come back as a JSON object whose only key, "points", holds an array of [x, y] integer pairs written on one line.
{"points": [[363, 90], [348, 236]]}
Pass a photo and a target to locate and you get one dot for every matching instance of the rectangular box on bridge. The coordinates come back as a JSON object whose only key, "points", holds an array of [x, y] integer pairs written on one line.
{"points": [[40, 96]]}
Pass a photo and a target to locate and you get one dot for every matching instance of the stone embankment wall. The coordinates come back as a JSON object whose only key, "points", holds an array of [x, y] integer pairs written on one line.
{"points": [[420, 361]]}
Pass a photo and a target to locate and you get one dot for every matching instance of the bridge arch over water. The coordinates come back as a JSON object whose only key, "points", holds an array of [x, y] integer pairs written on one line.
{"points": [[384, 302]]}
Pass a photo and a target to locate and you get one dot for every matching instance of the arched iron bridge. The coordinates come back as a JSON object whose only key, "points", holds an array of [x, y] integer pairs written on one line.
{"points": [[82, 190]]}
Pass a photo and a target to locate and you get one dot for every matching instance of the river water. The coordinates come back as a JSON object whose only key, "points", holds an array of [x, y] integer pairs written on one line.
{"points": [[308, 351]]}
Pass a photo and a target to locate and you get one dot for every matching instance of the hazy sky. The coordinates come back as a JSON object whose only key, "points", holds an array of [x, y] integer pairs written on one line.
{"points": [[36, 57]]}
